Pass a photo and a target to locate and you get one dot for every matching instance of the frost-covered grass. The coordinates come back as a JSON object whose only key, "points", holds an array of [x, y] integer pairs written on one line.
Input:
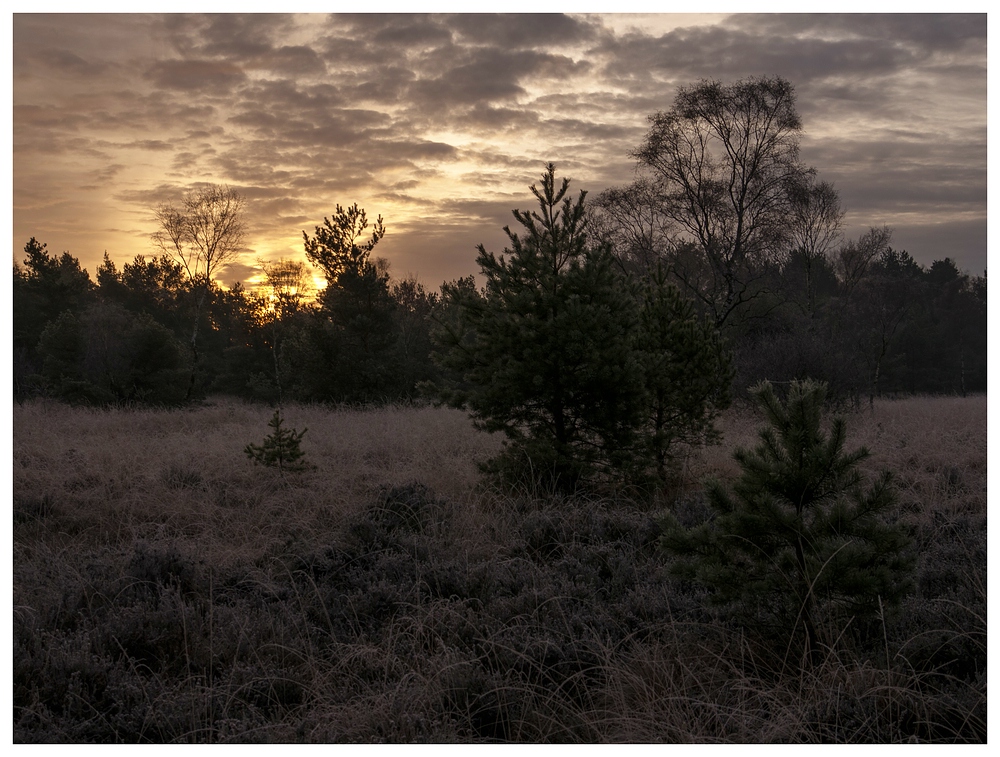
{"points": [[166, 589]]}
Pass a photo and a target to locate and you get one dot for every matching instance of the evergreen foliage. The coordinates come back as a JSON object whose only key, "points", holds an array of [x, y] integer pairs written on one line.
{"points": [[335, 247], [45, 286], [686, 369], [280, 449], [799, 539], [108, 355], [359, 332], [544, 354], [61, 350]]}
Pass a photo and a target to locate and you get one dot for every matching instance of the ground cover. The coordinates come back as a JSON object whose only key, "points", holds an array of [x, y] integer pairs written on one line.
{"points": [[168, 590]]}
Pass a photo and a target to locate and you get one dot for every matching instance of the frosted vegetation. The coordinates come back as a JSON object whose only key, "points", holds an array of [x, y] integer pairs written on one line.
{"points": [[166, 589]]}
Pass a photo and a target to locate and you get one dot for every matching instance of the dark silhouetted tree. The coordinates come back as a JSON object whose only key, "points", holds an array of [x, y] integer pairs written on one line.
{"points": [[632, 220], [687, 372], [336, 248], [44, 287], [108, 355], [204, 234], [544, 355], [413, 310], [359, 336], [856, 256], [881, 302], [816, 220], [157, 287], [800, 541], [724, 161]]}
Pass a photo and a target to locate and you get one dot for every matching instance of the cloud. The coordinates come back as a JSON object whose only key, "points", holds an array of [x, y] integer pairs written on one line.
{"points": [[403, 31], [441, 122], [215, 77], [156, 145], [238, 272], [522, 31], [932, 32], [487, 75]]}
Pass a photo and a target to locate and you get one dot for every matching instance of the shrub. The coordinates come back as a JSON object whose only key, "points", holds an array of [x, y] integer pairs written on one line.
{"points": [[799, 538], [281, 449]]}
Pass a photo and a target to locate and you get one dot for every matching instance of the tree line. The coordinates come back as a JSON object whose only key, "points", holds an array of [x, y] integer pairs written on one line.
{"points": [[754, 238], [156, 332], [726, 254]]}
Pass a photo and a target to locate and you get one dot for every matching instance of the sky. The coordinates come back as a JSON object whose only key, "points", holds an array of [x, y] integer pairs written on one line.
{"points": [[439, 123]]}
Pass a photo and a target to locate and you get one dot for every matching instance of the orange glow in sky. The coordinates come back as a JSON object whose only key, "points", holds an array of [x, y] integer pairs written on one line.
{"points": [[440, 122]]}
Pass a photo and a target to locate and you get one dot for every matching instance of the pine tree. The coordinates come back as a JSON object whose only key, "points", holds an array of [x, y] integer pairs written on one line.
{"points": [[281, 449], [686, 372], [799, 539], [544, 354], [357, 306]]}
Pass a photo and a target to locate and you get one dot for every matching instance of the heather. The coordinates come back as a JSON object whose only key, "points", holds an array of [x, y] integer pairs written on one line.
{"points": [[166, 589]]}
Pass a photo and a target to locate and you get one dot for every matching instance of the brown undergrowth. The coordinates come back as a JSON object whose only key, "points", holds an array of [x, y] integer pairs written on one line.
{"points": [[167, 590]]}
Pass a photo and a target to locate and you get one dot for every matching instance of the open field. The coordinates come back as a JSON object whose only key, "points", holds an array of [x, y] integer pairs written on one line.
{"points": [[167, 590]]}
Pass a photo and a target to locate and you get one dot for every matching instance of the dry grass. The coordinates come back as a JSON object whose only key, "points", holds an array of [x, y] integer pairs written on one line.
{"points": [[156, 474], [924, 440], [166, 589]]}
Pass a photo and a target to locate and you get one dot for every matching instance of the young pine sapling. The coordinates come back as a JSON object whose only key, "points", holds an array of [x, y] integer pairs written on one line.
{"points": [[800, 539], [281, 449]]}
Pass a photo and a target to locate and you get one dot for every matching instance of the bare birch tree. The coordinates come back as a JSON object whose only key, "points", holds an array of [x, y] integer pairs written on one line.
{"points": [[722, 163], [204, 234], [817, 219]]}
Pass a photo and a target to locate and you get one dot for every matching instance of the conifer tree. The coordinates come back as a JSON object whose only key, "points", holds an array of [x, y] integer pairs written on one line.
{"points": [[281, 449], [687, 372], [544, 354], [799, 538], [356, 305]]}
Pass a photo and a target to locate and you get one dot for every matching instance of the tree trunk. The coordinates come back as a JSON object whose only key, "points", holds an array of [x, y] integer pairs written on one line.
{"points": [[194, 343]]}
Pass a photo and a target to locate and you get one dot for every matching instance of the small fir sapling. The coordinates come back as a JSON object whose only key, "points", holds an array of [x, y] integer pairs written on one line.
{"points": [[281, 449], [799, 539]]}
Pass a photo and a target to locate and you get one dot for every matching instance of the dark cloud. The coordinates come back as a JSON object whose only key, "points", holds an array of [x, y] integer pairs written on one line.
{"points": [[66, 63], [723, 53], [31, 118], [221, 35], [238, 272], [932, 32], [242, 35], [484, 116], [406, 32], [490, 75], [102, 176], [441, 122], [378, 39], [156, 145], [522, 31], [293, 60], [215, 77]]}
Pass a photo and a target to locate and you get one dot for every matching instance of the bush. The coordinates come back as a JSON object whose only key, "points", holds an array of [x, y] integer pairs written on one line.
{"points": [[799, 539], [281, 449]]}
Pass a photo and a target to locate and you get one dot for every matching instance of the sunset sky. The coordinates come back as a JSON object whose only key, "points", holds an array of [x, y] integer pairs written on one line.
{"points": [[439, 123]]}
